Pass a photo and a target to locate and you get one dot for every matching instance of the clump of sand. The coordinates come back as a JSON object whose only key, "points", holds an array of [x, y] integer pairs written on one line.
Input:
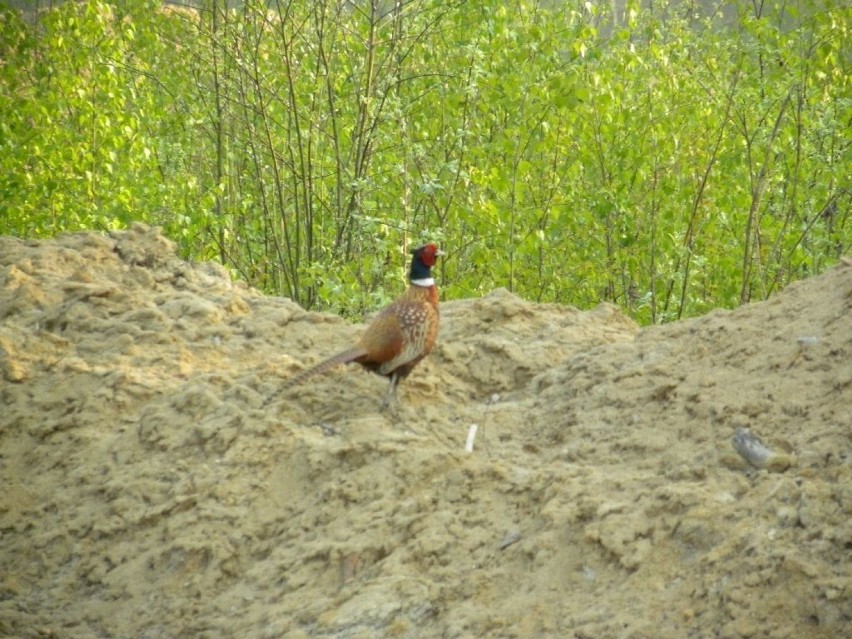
{"points": [[147, 492]]}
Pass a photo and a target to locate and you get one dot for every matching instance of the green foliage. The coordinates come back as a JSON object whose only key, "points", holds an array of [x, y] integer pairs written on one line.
{"points": [[83, 122], [658, 159]]}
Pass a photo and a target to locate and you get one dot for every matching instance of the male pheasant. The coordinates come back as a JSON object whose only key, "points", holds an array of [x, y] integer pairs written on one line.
{"points": [[401, 335]]}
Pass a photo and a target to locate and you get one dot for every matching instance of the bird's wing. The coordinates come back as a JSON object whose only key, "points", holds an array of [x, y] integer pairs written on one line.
{"points": [[416, 320], [383, 338]]}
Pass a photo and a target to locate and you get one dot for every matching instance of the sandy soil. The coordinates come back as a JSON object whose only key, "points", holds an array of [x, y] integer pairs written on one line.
{"points": [[148, 493]]}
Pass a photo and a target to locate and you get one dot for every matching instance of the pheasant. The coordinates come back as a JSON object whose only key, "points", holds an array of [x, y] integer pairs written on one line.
{"points": [[401, 335]]}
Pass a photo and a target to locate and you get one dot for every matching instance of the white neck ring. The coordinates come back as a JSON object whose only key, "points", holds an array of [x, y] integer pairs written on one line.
{"points": [[426, 282]]}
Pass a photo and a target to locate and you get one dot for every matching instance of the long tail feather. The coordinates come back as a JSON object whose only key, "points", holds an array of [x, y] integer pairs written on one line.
{"points": [[341, 358]]}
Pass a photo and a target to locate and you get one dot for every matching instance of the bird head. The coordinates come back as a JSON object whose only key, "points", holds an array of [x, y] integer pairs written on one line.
{"points": [[424, 259], [428, 254]]}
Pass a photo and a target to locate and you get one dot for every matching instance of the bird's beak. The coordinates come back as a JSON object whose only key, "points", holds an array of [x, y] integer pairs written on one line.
{"points": [[439, 253]]}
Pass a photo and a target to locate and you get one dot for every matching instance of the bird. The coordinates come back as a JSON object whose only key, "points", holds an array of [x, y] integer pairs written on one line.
{"points": [[400, 336]]}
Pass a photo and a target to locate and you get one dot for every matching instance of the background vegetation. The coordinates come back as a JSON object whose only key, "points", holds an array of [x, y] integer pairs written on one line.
{"points": [[670, 159]]}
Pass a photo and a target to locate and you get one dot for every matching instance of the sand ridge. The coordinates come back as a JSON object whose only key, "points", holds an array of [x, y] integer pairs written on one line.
{"points": [[148, 493]]}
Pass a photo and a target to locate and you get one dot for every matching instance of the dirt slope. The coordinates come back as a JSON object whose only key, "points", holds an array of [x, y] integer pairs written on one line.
{"points": [[148, 493]]}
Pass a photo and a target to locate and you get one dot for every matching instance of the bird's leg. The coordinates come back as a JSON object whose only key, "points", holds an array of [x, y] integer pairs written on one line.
{"points": [[390, 397]]}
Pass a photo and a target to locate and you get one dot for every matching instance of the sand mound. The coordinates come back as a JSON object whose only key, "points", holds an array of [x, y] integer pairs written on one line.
{"points": [[148, 493]]}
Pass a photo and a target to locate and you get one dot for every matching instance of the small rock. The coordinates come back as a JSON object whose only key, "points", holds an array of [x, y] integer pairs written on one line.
{"points": [[755, 452]]}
